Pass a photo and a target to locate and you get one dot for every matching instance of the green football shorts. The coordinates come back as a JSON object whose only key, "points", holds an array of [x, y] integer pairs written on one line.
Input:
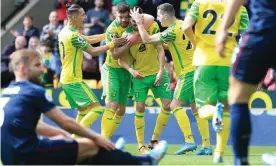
{"points": [[211, 84], [79, 95]]}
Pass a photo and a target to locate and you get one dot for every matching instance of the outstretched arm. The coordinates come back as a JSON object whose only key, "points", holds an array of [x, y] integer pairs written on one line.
{"points": [[94, 38], [117, 52]]}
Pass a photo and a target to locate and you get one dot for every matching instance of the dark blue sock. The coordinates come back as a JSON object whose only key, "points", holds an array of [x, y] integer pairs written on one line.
{"points": [[240, 132], [117, 157]]}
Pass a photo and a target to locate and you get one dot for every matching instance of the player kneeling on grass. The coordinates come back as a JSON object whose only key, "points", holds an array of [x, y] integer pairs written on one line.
{"points": [[22, 104], [149, 73]]}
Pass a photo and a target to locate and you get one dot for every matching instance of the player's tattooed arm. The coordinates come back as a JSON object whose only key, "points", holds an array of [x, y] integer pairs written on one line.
{"points": [[123, 64], [119, 51], [187, 28], [94, 38]]}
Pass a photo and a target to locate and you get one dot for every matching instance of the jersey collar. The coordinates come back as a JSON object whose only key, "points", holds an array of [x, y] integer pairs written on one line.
{"points": [[71, 28]]}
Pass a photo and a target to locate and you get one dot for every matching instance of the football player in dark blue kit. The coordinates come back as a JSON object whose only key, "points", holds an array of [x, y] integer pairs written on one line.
{"points": [[24, 101], [256, 53]]}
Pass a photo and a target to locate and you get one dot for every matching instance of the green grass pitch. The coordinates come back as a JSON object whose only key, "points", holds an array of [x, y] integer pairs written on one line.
{"points": [[191, 159]]}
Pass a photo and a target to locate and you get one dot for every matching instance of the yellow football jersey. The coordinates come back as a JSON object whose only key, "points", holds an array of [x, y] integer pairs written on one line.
{"points": [[208, 16], [180, 48], [145, 55], [113, 30], [71, 47]]}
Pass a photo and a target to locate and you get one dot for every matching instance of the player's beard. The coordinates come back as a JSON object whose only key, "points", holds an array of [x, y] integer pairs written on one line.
{"points": [[36, 78]]}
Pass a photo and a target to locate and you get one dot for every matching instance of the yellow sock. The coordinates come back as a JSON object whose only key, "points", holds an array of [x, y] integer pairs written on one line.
{"points": [[117, 119], [222, 137], [92, 116], [139, 127], [203, 127], [184, 124], [207, 111], [107, 122], [81, 114], [88, 117], [161, 122]]}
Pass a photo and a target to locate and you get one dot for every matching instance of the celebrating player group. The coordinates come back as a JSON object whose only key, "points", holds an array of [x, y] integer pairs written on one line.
{"points": [[203, 47]]}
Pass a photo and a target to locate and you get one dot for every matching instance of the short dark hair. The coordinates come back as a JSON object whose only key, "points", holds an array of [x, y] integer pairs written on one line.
{"points": [[73, 8], [46, 43], [28, 17], [122, 7], [167, 8]]}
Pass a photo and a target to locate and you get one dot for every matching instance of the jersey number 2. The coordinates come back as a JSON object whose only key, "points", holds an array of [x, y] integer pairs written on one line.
{"points": [[208, 30]]}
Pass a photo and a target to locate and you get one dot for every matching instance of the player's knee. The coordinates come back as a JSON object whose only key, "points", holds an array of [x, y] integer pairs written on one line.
{"points": [[174, 104], [140, 107], [121, 111], [86, 149], [239, 91], [166, 105], [113, 105]]}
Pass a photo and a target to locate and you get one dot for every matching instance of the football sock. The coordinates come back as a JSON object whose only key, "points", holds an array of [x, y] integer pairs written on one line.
{"points": [[139, 122], [107, 122], [203, 127], [222, 137], [240, 131], [184, 124], [161, 122]]}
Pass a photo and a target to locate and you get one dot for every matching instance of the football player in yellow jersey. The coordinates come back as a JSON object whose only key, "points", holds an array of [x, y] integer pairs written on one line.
{"points": [[116, 94], [212, 73], [71, 47], [182, 58], [149, 73]]}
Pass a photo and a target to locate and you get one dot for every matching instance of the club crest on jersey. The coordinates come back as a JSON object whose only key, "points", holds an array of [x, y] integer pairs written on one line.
{"points": [[142, 48]]}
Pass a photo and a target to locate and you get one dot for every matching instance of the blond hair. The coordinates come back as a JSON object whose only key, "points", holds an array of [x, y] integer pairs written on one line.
{"points": [[23, 56]]}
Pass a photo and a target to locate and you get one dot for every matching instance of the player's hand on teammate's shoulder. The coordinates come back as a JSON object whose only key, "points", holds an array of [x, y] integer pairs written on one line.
{"points": [[120, 41], [134, 13], [104, 143], [221, 41]]}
